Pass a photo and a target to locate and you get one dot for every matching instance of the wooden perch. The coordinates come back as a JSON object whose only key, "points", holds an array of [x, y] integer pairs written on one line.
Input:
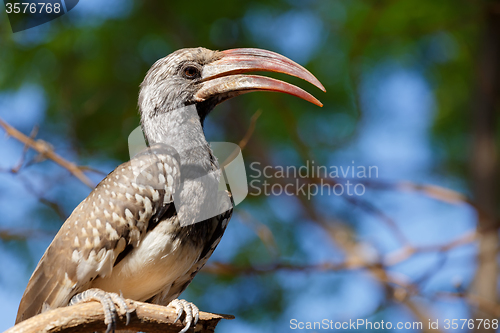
{"points": [[89, 317]]}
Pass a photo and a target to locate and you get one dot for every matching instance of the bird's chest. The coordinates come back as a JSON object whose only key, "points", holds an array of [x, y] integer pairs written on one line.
{"points": [[165, 254]]}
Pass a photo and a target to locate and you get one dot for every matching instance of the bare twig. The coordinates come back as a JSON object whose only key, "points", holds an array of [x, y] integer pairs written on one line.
{"points": [[89, 317], [432, 191], [250, 130], [242, 144], [19, 165], [261, 230], [45, 150], [407, 252], [56, 207], [91, 169], [480, 303], [23, 234], [390, 259]]}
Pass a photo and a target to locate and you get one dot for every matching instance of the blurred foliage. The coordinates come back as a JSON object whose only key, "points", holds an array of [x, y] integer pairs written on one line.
{"points": [[90, 67], [90, 64]]}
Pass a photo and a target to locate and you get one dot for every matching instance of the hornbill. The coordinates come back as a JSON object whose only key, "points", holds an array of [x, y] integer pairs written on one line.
{"points": [[127, 239]]}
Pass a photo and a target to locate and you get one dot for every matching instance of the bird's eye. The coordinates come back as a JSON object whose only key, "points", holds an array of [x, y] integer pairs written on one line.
{"points": [[190, 72]]}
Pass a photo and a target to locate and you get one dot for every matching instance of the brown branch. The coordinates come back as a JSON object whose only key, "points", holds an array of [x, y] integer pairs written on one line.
{"points": [[23, 234], [390, 259], [91, 169], [405, 253], [250, 130], [480, 303], [261, 230], [56, 207], [242, 144], [219, 268], [89, 317], [432, 191], [45, 150], [19, 165], [484, 162]]}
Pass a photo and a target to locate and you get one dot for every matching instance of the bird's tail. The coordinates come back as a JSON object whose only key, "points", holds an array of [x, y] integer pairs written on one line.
{"points": [[46, 290]]}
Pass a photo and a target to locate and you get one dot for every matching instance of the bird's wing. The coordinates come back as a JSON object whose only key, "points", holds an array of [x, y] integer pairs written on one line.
{"points": [[115, 216]]}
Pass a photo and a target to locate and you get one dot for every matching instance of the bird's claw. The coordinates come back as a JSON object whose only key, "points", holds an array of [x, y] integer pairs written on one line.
{"points": [[192, 312], [109, 301], [122, 305]]}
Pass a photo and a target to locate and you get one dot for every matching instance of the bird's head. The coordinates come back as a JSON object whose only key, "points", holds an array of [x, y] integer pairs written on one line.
{"points": [[206, 78]]}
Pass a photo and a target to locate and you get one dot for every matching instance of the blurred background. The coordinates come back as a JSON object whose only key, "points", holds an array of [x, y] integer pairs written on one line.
{"points": [[412, 89]]}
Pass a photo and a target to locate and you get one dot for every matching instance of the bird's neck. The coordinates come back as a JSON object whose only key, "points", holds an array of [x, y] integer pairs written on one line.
{"points": [[196, 199], [182, 130]]}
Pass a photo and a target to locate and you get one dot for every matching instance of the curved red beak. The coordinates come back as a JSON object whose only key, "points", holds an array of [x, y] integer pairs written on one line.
{"points": [[222, 78]]}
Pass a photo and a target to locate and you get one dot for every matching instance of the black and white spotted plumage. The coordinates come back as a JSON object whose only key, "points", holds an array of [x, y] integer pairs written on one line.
{"points": [[116, 239]]}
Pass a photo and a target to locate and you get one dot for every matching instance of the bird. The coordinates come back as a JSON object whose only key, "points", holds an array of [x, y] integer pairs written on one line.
{"points": [[151, 224]]}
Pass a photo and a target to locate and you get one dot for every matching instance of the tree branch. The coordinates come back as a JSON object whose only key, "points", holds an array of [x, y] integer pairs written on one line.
{"points": [[45, 150], [485, 163], [89, 317]]}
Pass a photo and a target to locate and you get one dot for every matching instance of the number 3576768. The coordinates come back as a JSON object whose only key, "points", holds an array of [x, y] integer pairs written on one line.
{"points": [[470, 323], [32, 8]]}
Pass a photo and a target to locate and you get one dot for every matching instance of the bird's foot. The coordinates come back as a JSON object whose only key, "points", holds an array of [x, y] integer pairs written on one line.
{"points": [[109, 301], [192, 312]]}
